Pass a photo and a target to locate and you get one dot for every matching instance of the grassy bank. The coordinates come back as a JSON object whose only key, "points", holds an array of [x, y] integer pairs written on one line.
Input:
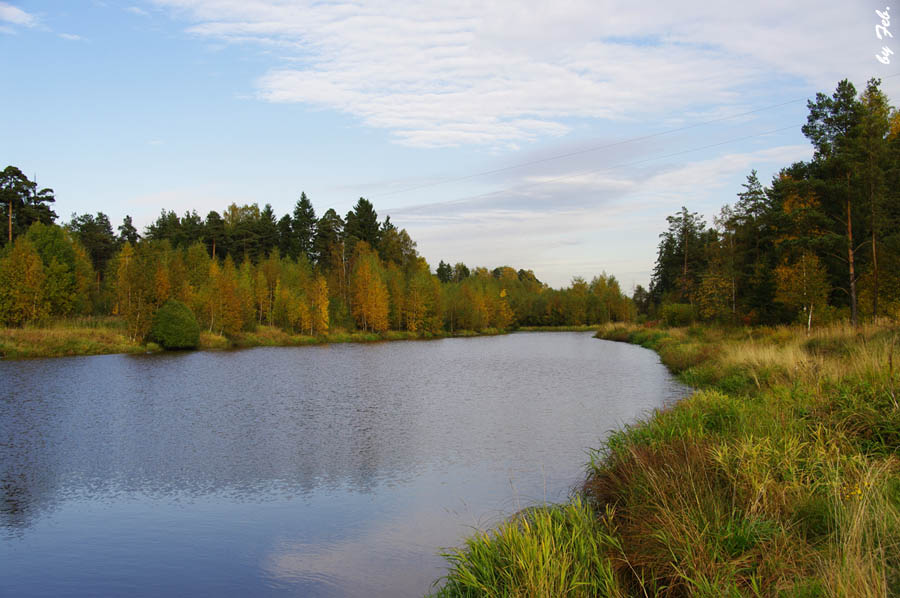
{"points": [[779, 476], [97, 336], [80, 336], [578, 328]]}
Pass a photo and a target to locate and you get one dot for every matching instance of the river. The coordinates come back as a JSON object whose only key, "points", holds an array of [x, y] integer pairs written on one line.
{"points": [[336, 470]]}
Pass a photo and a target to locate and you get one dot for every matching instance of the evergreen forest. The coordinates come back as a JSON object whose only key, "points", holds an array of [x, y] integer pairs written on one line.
{"points": [[820, 243]]}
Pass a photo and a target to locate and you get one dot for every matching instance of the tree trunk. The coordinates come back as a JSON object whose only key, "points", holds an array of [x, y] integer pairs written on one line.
{"points": [[733, 283], [10, 221], [809, 319], [853, 314], [875, 272], [874, 226]]}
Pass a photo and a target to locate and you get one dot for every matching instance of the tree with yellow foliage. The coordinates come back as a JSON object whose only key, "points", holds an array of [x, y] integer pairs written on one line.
{"points": [[368, 292], [162, 287], [501, 314], [22, 279], [233, 308], [135, 286], [319, 306]]}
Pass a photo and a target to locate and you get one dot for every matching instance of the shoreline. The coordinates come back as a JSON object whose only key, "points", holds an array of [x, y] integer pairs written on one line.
{"points": [[779, 475], [105, 337]]}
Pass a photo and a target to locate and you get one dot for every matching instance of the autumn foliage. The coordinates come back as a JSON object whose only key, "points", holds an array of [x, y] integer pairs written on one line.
{"points": [[301, 275]]}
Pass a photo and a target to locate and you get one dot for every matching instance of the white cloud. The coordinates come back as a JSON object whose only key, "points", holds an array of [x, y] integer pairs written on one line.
{"points": [[503, 72], [16, 16], [71, 37], [137, 10]]}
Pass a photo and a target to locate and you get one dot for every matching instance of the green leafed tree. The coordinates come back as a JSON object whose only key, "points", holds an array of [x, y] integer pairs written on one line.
{"points": [[127, 232], [22, 203], [833, 127]]}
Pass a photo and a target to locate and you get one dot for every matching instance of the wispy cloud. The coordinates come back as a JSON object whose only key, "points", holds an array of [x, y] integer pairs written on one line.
{"points": [[502, 73], [586, 222], [16, 16], [71, 37], [137, 10]]}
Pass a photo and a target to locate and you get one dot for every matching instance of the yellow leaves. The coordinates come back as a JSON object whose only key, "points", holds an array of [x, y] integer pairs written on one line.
{"points": [[319, 312], [795, 202], [368, 292], [501, 314], [895, 125], [161, 284], [803, 283], [714, 296], [22, 278]]}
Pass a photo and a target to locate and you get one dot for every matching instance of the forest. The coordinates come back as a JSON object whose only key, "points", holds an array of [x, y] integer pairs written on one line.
{"points": [[821, 243], [247, 267]]}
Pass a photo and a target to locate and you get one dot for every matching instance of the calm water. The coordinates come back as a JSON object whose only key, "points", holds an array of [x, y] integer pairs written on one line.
{"points": [[317, 471]]}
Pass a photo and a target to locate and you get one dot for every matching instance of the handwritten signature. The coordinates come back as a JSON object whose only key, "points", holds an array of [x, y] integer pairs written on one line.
{"points": [[881, 31]]}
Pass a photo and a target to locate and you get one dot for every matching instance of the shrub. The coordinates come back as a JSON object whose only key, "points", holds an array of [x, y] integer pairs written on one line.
{"points": [[677, 314], [175, 327]]}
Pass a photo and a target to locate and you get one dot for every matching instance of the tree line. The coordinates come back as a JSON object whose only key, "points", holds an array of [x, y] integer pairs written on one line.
{"points": [[821, 242], [246, 267]]}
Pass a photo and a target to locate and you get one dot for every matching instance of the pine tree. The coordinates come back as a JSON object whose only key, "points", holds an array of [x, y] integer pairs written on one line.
{"points": [[303, 227]]}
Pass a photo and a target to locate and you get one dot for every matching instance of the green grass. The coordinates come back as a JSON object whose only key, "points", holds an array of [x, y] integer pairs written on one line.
{"points": [[779, 476], [560, 551]]}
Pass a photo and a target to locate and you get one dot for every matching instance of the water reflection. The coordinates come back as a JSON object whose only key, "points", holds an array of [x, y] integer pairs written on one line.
{"points": [[332, 471]]}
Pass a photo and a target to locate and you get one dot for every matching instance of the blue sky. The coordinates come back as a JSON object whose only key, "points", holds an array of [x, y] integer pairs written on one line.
{"points": [[449, 117]]}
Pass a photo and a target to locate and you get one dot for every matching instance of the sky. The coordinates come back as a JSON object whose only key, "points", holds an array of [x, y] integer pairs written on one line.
{"points": [[550, 136]]}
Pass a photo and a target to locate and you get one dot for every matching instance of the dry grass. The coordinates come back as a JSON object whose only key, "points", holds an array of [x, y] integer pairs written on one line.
{"points": [[60, 341]]}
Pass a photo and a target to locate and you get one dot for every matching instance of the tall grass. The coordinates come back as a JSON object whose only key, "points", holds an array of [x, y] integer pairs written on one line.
{"points": [[779, 476], [561, 551], [82, 336]]}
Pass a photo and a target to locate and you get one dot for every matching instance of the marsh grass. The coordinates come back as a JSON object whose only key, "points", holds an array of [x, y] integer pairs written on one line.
{"points": [[779, 476], [60, 340]]}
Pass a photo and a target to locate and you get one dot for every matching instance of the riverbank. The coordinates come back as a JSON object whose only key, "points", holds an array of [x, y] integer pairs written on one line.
{"points": [[779, 476], [100, 336]]}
